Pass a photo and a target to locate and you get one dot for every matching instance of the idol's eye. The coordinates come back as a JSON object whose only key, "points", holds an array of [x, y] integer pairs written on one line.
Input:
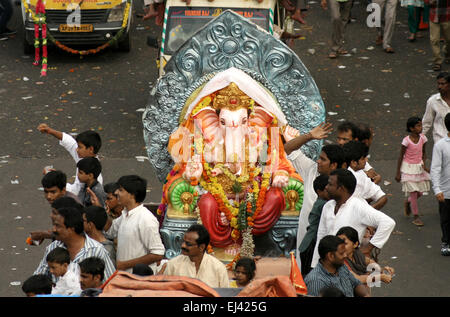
{"points": [[244, 120], [222, 121]]}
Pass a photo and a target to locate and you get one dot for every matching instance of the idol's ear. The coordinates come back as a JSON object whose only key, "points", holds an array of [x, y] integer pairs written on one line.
{"points": [[207, 121], [261, 117]]}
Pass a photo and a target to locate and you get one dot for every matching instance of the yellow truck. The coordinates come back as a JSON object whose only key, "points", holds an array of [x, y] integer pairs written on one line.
{"points": [[85, 23], [181, 21]]}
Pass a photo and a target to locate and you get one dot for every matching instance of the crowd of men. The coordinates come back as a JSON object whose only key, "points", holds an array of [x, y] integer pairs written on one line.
{"points": [[100, 229]]}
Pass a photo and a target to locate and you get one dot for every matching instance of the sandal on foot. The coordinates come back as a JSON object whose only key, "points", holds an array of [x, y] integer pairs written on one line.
{"points": [[332, 55], [418, 222], [389, 50], [437, 67], [342, 51]]}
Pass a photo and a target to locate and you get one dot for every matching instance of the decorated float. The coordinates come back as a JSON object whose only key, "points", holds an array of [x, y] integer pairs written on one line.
{"points": [[214, 129]]}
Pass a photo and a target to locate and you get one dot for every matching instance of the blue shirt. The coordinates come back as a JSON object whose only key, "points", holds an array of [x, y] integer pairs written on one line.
{"points": [[320, 278]]}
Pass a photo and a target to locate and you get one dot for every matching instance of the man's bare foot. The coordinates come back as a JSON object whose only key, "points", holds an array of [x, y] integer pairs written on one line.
{"points": [[150, 13], [297, 16]]}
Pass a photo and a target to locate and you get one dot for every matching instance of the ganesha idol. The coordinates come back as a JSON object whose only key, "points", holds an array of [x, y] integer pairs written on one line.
{"points": [[231, 172]]}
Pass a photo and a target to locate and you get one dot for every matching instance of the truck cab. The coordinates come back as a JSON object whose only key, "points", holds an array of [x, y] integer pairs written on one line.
{"points": [[181, 21], [86, 23]]}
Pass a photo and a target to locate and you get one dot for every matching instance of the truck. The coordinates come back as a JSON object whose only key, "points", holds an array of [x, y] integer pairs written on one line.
{"points": [[181, 21], [86, 23]]}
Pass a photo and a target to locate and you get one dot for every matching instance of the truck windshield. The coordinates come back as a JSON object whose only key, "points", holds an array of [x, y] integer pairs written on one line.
{"points": [[183, 22]]}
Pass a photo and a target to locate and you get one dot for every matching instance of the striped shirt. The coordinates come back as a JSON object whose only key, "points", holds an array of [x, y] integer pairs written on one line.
{"points": [[319, 278], [91, 248]]}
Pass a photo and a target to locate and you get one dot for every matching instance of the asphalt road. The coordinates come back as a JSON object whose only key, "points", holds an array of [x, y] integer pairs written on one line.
{"points": [[108, 91]]}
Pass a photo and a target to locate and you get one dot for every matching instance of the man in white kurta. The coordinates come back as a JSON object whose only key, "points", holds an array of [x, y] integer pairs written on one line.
{"points": [[137, 233], [353, 212], [195, 262], [211, 271]]}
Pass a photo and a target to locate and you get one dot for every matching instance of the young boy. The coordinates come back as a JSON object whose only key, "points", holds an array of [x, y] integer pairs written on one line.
{"points": [[86, 144], [365, 135], [113, 208], [94, 221], [54, 184], [67, 273], [91, 273], [89, 169], [137, 229], [306, 248], [356, 156], [39, 284]]}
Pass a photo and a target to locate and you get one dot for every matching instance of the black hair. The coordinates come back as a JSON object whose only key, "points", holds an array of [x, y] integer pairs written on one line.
{"points": [[331, 291], [65, 202], [90, 165], [58, 255], [93, 266], [54, 178], [203, 234], [364, 132], [111, 188], [335, 154], [249, 265], [350, 233], [329, 244], [135, 185], [354, 151], [97, 215], [38, 284], [411, 123], [348, 126], [142, 269], [90, 138], [320, 182], [72, 219], [346, 179], [447, 121], [444, 75]]}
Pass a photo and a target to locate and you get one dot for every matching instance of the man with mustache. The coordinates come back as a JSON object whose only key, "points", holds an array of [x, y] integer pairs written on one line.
{"points": [[69, 233], [195, 262], [438, 105]]}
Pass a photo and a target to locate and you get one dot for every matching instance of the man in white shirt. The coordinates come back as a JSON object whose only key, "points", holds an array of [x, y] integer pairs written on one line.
{"points": [[346, 210], [195, 262], [330, 158], [356, 157], [137, 229], [438, 105], [440, 178]]}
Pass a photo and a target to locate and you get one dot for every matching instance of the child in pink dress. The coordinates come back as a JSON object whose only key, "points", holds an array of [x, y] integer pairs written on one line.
{"points": [[411, 170]]}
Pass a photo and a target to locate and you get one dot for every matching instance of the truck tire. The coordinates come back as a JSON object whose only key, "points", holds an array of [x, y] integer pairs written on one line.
{"points": [[125, 43], [28, 49]]}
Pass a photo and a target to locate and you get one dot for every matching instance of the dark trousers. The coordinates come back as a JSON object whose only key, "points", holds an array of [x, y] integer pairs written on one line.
{"points": [[306, 258], [6, 11], [444, 213]]}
